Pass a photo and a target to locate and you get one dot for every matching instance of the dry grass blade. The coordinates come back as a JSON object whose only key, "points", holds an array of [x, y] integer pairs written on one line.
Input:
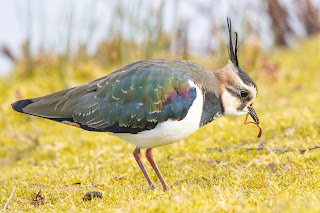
{"points": [[39, 199], [7, 203]]}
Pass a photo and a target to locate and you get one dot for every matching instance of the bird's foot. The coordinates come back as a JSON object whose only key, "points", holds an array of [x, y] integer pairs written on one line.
{"points": [[152, 187], [166, 188]]}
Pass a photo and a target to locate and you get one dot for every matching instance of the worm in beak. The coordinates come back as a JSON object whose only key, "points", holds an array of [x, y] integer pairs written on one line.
{"points": [[255, 117]]}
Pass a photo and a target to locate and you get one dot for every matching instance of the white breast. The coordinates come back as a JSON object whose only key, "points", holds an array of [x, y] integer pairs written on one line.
{"points": [[169, 131]]}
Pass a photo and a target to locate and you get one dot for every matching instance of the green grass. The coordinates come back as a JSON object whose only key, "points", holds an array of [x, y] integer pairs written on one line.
{"points": [[37, 154]]}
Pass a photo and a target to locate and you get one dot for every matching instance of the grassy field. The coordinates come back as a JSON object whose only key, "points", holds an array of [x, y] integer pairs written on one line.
{"points": [[64, 163]]}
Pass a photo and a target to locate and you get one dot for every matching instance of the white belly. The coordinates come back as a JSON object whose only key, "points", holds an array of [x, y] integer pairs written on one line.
{"points": [[169, 131]]}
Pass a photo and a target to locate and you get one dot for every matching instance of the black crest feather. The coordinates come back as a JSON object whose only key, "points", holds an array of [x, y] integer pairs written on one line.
{"points": [[233, 52]]}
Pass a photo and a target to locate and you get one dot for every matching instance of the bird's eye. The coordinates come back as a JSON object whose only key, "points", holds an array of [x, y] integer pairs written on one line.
{"points": [[243, 94]]}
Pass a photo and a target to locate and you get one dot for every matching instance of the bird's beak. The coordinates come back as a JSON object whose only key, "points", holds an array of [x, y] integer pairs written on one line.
{"points": [[253, 114]]}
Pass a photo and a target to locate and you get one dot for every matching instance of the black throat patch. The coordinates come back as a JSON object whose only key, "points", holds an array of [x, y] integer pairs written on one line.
{"points": [[212, 108]]}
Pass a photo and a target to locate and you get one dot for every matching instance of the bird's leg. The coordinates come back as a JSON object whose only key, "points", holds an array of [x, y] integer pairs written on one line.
{"points": [[155, 168], [137, 156]]}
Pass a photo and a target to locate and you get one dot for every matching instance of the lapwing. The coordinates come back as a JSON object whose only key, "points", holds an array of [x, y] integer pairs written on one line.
{"points": [[152, 103]]}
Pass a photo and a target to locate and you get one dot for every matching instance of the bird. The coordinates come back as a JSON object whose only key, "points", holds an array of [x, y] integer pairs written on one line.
{"points": [[152, 103]]}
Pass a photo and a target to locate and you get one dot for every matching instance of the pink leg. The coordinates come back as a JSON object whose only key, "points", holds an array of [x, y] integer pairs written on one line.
{"points": [[155, 168], [137, 156]]}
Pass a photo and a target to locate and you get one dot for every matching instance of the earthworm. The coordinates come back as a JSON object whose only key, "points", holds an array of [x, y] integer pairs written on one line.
{"points": [[253, 122]]}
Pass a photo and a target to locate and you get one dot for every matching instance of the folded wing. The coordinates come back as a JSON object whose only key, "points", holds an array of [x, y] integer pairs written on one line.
{"points": [[133, 99]]}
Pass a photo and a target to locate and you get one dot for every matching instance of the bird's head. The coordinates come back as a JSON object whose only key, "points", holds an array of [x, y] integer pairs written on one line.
{"points": [[238, 90]]}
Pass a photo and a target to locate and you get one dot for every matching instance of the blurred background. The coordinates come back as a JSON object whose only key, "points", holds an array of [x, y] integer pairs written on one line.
{"points": [[47, 46], [65, 34]]}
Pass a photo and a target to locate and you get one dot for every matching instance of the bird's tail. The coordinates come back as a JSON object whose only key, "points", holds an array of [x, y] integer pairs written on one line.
{"points": [[57, 105], [19, 105]]}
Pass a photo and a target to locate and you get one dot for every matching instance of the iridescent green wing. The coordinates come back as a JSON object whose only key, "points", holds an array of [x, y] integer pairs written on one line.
{"points": [[136, 98]]}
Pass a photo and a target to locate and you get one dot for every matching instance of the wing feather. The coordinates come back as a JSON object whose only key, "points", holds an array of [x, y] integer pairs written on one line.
{"points": [[135, 98], [131, 102]]}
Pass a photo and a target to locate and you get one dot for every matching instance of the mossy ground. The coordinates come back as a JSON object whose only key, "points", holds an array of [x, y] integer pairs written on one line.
{"points": [[37, 154]]}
